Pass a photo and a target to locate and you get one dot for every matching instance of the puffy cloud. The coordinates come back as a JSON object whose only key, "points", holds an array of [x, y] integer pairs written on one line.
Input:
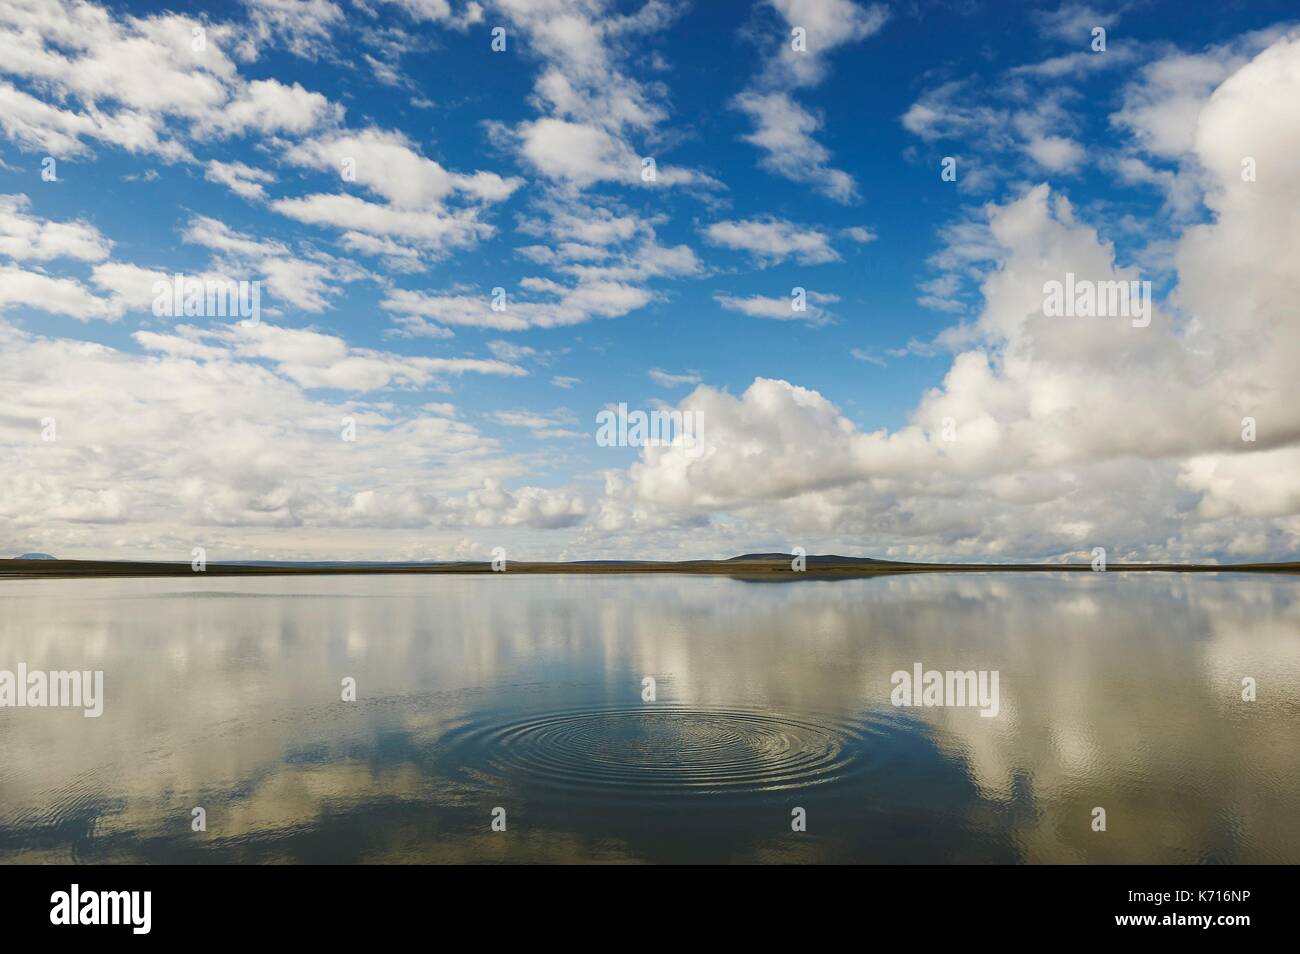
{"points": [[148, 67], [784, 131], [436, 232], [440, 11], [544, 426], [569, 305], [591, 108], [316, 360], [772, 241], [1073, 22], [242, 179], [579, 153], [666, 379], [781, 309], [269, 106], [783, 128], [960, 110], [302, 26], [386, 163], [59, 296], [604, 276], [827, 24], [35, 124], [1050, 436], [146, 84], [157, 453], [1055, 153], [415, 221], [24, 236], [1162, 106], [306, 284]]}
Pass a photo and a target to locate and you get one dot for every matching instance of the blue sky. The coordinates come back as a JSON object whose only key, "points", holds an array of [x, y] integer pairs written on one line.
{"points": [[210, 140]]}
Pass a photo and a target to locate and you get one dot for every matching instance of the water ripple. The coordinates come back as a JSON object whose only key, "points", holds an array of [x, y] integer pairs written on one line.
{"points": [[665, 749]]}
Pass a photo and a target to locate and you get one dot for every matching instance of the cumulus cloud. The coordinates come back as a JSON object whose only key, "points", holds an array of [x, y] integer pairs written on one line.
{"points": [[59, 296], [386, 163], [557, 424], [301, 26], [772, 241], [1049, 436], [563, 305], [783, 129], [666, 379], [605, 261], [1043, 438], [441, 11], [781, 309], [26, 236], [240, 178], [314, 359], [199, 439], [1073, 22], [143, 84], [596, 117]]}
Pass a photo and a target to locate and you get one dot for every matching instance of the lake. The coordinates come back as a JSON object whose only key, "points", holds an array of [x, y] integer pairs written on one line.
{"points": [[522, 702]]}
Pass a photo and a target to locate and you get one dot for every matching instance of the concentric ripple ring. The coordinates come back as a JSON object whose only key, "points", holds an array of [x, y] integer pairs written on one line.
{"points": [[666, 749]]}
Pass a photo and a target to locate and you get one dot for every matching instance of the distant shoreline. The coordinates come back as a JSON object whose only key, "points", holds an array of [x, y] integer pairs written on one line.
{"points": [[765, 568]]}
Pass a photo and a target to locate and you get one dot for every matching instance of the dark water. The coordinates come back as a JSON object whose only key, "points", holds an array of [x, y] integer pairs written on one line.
{"points": [[524, 693]]}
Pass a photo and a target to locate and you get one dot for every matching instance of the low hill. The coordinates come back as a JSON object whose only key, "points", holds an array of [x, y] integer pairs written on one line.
{"points": [[811, 559]]}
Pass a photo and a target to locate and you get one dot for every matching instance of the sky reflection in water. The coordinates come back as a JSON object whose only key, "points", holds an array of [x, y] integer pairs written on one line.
{"points": [[525, 692]]}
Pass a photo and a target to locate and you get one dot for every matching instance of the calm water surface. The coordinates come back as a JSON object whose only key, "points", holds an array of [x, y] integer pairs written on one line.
{"points": [[525, 693]]}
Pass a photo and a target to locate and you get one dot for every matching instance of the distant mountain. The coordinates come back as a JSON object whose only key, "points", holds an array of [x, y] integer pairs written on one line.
{"points": [[811, 560], [35, 556]]}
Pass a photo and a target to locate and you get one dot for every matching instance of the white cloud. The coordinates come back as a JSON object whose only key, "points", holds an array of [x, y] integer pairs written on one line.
{"points": [[554, 425], [25, 236], [387, 163], [579, 153], [242, 179], [772, 241], [780, 308], [568, 305], [858, 354], [603, 276], [1162, 106], [57, 296], [859, 234], [1055, 153], [591, 108], [438, 232], [784, 131], [1039, 467], [267, 107], [313, 359], [302, 26], [416, 221], [127, 473], [1073, 23], [306, 284], [35, 124], [440, 11], [827, 24], [783, 128], [666, 379], [146, 84]]}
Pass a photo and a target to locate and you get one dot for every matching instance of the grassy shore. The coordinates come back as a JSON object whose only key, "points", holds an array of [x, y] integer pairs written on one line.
{"points": [[760, 568]]}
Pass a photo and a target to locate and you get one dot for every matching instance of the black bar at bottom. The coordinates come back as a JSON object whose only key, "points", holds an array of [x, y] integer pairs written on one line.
{"points": [[333, 904]]}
